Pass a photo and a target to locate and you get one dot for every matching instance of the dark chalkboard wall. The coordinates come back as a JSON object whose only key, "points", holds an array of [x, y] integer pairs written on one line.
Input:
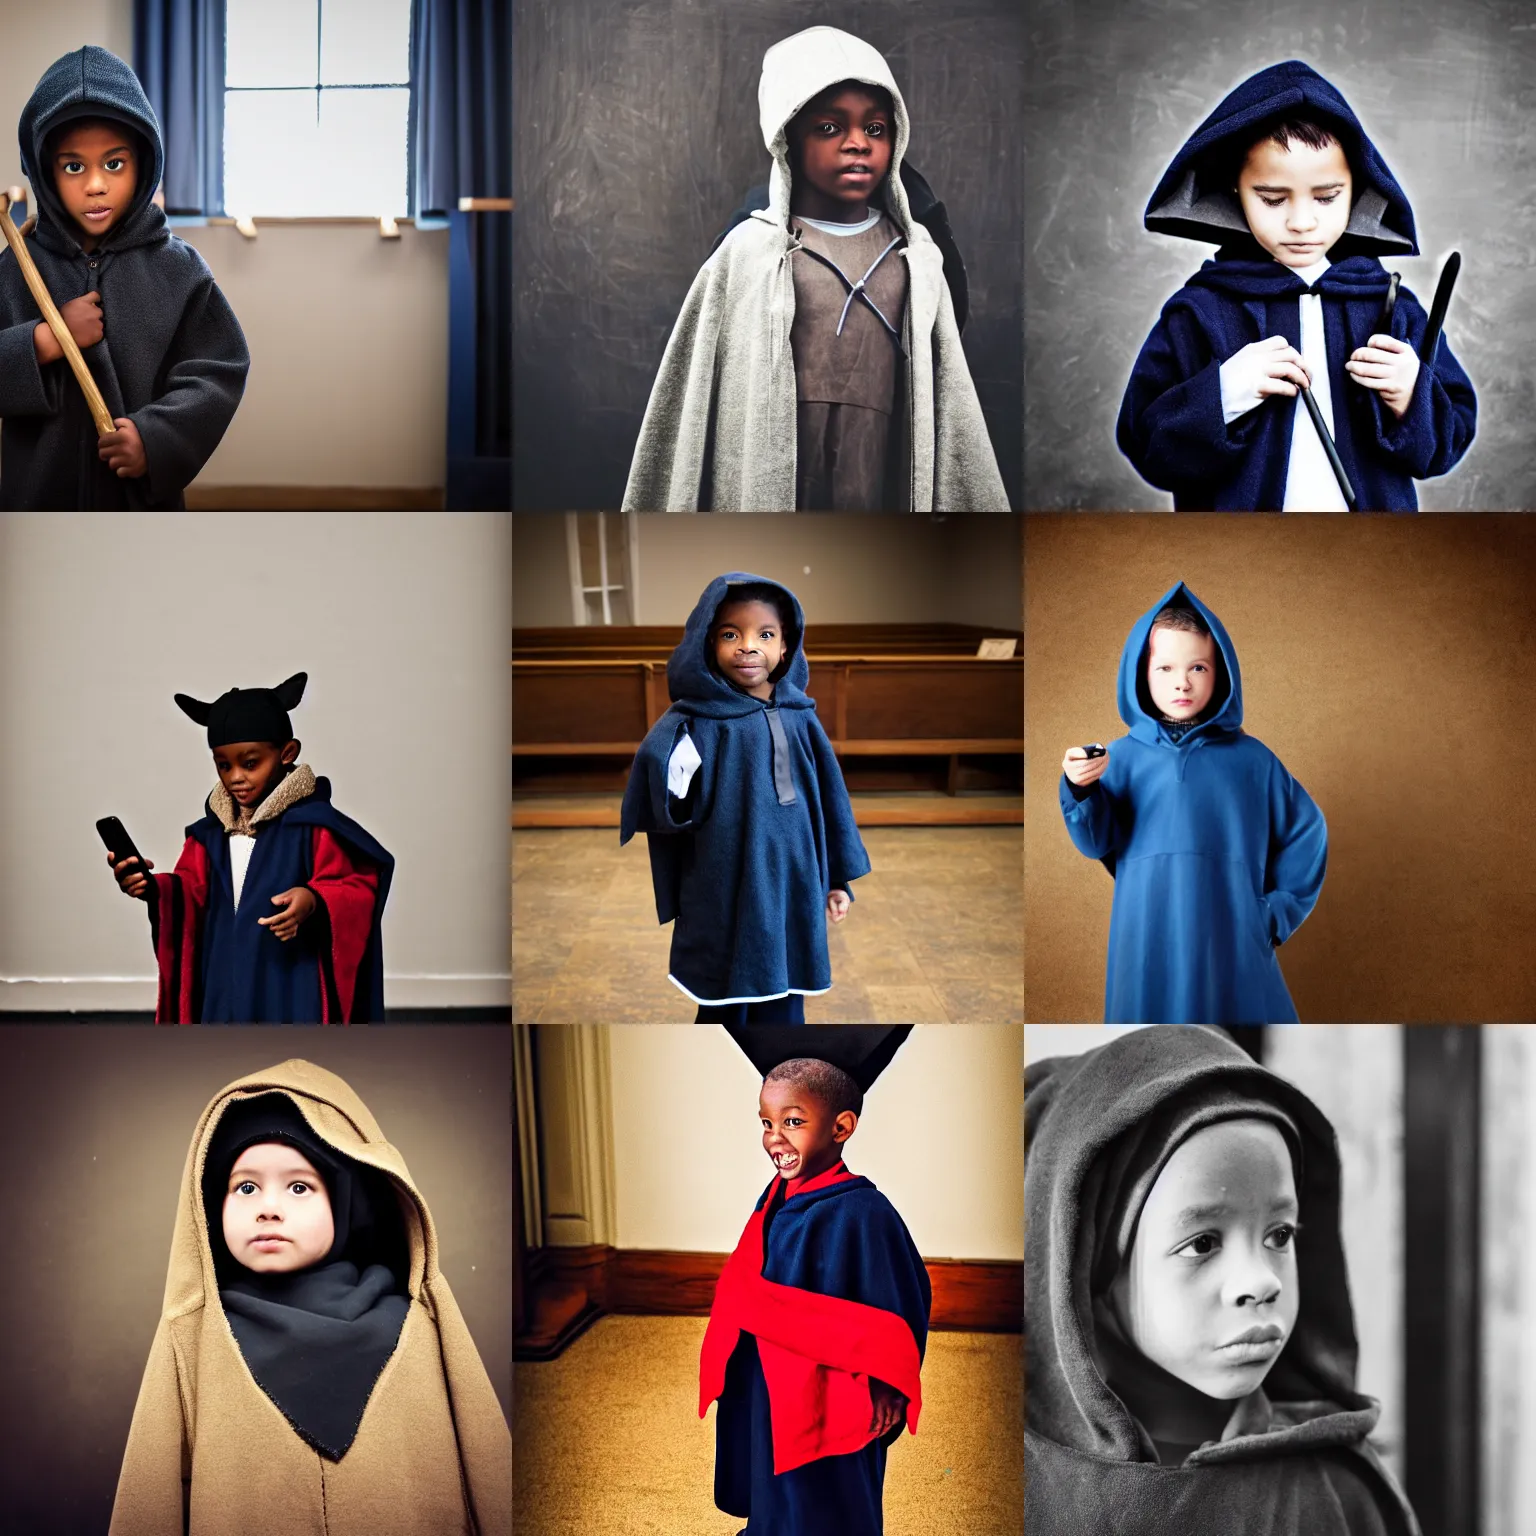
{"points": [[1445, 88], [636, 135]]}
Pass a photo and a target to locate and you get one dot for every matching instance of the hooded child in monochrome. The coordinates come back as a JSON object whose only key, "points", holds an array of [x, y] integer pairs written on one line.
{"points": [[272, 914], [1283, 178], [816, 365], [157, 334], [752, 839], [1217, 853], [311, 1371], [820, 1319], [1190, 1346]]}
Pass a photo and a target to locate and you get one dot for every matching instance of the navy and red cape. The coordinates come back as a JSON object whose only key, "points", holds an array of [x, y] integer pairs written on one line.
{"points": [[824, 1291], [217, 966]]}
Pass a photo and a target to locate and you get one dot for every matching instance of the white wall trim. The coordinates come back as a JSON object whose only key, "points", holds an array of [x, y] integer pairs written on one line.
{"points": [[525, 1125], [576, 1134]]}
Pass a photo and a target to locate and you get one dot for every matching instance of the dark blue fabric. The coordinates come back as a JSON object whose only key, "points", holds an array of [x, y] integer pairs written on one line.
{"points": [[245, 975], [178, 53], [461, 102], [173, 358], [845, 1240], [778, 1010], [1217, 854], [1171, 426], [743, 877]]}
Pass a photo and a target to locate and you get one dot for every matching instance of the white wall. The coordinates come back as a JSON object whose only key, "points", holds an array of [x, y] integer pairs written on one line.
{"points": [[941, 1135], [402, 621]]}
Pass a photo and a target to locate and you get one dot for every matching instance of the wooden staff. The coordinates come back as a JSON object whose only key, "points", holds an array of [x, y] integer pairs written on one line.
{"points": [[99, 412]]}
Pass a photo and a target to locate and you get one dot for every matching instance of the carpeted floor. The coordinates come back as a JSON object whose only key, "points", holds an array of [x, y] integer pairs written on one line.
{"points": [[607, 1441], [934, 936]]}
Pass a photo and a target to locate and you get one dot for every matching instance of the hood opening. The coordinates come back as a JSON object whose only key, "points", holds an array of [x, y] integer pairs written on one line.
{"points": [[789, 621], [697, 687], [1143, 719]]}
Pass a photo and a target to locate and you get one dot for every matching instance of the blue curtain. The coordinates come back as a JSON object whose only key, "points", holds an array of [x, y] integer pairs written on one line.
{"points": [[178, 55]]}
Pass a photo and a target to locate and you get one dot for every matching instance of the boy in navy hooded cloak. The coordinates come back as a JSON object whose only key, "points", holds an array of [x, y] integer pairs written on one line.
{"points": [[270, 838], [752, 839], [820, 1319], [1217, 853], [1144, 1413], [157, 334], [1296, 292]]}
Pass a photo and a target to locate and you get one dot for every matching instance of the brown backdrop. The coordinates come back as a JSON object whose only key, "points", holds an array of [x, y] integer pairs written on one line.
{"points": [[95, 1131], [1389, 662]]}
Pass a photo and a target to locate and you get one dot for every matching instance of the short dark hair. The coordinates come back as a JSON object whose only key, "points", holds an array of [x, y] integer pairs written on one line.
{"points": [[1185, 619], [1225, 162], [828, 1085]]}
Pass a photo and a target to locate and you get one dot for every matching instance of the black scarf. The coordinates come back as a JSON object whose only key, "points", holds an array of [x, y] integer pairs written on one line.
{"points": [[315, 1340]]}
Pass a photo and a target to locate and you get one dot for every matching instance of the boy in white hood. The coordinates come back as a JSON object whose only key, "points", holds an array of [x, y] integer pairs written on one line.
{"points": [[816, 364]]}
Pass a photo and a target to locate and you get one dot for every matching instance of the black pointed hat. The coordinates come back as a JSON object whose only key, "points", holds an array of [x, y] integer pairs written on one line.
{"points": [[863, 1051], [248, 714]]}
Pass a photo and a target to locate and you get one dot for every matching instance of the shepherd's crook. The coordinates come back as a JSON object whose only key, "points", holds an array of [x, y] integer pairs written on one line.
{"points": [[99, 412]]}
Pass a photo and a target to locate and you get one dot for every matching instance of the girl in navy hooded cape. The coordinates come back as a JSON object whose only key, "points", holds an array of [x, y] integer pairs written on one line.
{"points": [[1217, 853], [173, 358], [1294, 1458], [1172, 425], [743, 865], [216, 963]]}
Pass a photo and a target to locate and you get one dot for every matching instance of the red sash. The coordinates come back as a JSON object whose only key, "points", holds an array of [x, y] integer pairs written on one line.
{"points": [[817, 1352]]}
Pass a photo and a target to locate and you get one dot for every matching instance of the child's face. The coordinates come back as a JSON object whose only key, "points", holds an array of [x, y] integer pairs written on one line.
{"points": [[247, 768], [800, 1134], [1214, 1259], [96, 175], [1181, 672], [277, 1214], [749, 644], [845, 137], [1296, 198]]}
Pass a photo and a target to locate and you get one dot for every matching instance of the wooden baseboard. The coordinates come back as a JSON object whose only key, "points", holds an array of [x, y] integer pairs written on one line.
{"points": [[314, 498], [569, 1288]]}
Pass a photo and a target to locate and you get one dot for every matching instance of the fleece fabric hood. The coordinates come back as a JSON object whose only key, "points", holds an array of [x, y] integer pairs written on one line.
{"points": [[1297, 1461], [1223, 715], [694, 685], [1195, 197], [208, 1446]]}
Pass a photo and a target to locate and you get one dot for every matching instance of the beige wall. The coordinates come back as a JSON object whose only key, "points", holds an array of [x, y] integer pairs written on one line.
{"points": [[941, 1136], [875, 568], [348, 333], [402, 622]]}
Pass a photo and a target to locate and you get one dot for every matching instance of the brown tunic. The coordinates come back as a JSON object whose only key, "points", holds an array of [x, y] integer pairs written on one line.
{"points": [[849, 441]]}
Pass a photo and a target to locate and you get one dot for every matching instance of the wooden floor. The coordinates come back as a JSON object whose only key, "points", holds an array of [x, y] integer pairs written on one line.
{"points": [[929, 809], [934, 936]]}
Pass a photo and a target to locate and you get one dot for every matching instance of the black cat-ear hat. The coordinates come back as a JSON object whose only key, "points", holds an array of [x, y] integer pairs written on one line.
{"points": [[248, 714]]}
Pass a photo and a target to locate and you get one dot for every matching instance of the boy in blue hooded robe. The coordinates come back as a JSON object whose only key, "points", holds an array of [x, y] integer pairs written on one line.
{"points": [[1217, 853], [752, 839], [1282, 176], [156, 332]]}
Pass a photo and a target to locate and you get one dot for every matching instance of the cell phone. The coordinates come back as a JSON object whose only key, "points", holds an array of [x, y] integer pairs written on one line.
{"points": [[115, 835], [1094, 749]]}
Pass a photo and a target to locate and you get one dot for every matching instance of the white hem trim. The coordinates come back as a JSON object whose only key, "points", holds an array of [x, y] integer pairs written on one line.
{"points": [[718, 1002]]}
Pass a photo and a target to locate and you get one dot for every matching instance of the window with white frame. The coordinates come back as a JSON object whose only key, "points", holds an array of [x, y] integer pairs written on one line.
{"points": [[316, 104]]}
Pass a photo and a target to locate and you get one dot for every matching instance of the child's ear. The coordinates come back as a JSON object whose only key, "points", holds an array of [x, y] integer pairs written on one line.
{"points": [[290, 753]]}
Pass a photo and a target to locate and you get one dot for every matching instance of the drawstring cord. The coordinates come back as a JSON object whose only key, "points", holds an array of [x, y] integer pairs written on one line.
{"points": [[858, 291]]}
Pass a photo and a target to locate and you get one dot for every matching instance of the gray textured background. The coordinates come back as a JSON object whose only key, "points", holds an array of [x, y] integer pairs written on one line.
{"points": [[636, 135], [1447, 91]]}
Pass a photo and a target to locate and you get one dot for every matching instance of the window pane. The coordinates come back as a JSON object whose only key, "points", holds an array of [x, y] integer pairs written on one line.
{"points": [[271, 42], [365, 42], [270, 141], [361, 152]]}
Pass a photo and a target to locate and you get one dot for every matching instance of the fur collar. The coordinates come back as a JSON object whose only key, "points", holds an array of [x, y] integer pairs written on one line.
{"points": [[299, 785]]}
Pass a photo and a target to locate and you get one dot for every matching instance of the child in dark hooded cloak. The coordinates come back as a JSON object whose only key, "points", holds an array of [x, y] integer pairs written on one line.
{"points": [[1190, 1347], [311, 1372], [1217, 853], [156, 332], [273, 912], [817, 365], [752, 839], [1283, 178]]}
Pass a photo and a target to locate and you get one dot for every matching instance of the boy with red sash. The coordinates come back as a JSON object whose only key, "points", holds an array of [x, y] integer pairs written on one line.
{"points": [[820, 1319]]}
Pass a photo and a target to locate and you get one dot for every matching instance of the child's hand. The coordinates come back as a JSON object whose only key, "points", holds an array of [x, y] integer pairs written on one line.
{"points": [[837, 906], [131, 879], [1082, 769], [1390, 367], [1269, 367], [297, 905], [123, 450], [888, 1407]]}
